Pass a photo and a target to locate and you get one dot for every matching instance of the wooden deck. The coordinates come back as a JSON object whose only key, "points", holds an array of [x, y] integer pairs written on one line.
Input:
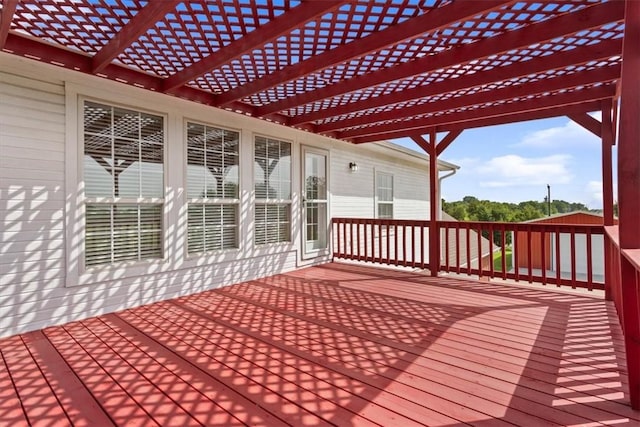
{"points": [[336, 344]]}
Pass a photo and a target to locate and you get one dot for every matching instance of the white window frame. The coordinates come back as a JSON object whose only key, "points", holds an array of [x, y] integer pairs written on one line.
{"points": [[379, 202], [75, 206], [115, 201], [288, 203], [213, 201]]}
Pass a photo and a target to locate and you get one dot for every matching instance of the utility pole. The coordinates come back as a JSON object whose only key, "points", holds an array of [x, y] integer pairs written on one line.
{"points": [[549, 199]]}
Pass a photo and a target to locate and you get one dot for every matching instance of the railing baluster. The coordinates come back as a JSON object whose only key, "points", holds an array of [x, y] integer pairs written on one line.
{"points": [[479, 245], [529, 263], [491, 233], [447, 247], [516, 253], [572, 232], [457, 228], [413, 245], [422, 246], [558, 258], [589, 261], [503, 241], [543, 256], [396, 236], [468, 248], [358, 240]]}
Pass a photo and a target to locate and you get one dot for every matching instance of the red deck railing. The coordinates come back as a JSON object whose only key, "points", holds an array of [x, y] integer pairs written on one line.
{"points": [[384, 241], [624, 290], [571, 255]]}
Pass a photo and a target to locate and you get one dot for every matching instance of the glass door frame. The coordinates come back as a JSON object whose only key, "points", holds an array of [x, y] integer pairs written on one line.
{"points": [[316, 252]]}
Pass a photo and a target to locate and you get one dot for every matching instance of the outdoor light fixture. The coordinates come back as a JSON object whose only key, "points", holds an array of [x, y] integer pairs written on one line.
{"points": [[353, 166]]}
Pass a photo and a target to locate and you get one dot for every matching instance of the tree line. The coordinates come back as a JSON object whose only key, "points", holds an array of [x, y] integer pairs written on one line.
{"points": [[472, 209]]}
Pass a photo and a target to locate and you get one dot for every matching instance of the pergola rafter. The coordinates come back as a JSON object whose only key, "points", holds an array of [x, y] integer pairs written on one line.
{"points": [[462, 118], [283, 24], [584, 19], [576, 57], [138, 25], [328, 67], [411, 28], [489, 95], [75, 61]]}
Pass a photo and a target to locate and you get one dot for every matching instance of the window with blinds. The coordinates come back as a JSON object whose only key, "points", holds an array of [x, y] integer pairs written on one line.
{"points": [[123, 184], [384, 195], [272, 185], [212, 188]]}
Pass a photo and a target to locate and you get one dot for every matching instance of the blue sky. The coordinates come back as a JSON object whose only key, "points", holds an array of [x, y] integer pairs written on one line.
{"points": [[514, 163]]}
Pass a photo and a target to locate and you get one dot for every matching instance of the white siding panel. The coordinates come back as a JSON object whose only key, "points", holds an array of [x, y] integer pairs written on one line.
{"points": [[35, 286], [31, 195], [353, 192], [54, 153], [33, 306]]}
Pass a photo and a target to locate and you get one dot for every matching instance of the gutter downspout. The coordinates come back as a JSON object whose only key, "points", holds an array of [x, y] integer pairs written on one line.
{"points": [[440, 179]]}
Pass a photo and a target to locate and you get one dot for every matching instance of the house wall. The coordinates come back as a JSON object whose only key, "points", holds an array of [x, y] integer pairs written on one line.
{"points": [[41, 283]]}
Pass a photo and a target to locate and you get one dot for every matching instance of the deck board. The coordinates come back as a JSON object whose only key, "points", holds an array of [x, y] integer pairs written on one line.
{"points": [[334, 344]]}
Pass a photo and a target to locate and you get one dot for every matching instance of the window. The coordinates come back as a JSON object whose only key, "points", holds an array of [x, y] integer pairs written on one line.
{"points": [[272, 184], [124, 184], [212, 188], [384, 195]]}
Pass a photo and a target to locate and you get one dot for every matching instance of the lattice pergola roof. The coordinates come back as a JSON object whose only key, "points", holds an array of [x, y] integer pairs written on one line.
{"points": [[362, 70]]}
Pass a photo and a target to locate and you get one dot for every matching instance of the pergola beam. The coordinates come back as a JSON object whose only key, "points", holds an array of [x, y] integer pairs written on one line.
{"points": [[588, 122], [563, 25], [264, 34], [471, 123], [510, 92], [75, 61], [441, 17], [8, 9], [577, 56], [549, 101], [145, 19]]}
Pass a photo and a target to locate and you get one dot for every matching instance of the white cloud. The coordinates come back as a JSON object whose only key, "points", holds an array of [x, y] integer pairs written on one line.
{"points": [[465, 162], [571, 134], [513, 170], [594, 190]]}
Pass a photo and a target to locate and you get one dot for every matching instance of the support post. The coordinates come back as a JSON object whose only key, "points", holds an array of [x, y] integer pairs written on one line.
{"points": [[607, 188], [434, 229], [629, 193]]}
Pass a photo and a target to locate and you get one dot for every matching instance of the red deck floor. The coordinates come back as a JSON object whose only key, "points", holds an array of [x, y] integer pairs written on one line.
{"points": [[335, 344]]}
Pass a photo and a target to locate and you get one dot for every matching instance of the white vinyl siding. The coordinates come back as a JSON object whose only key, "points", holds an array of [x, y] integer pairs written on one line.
{"points": [[272, 185], [384, 195], [124, 184], [212, 188], [43, 203]]}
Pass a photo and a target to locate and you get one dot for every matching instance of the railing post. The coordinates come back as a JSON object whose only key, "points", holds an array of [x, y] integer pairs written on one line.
{"points": [[434, 231], [607, 188], [629, 192]]}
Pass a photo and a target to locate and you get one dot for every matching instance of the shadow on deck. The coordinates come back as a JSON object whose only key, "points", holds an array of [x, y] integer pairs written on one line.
{"points": [[335, 344]]}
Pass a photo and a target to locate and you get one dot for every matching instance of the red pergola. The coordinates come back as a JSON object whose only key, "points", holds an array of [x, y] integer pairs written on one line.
{"points": [[365, 70]]}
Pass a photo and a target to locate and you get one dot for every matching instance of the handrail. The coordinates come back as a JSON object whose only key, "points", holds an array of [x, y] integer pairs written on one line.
{"points": [[536, 249]]}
